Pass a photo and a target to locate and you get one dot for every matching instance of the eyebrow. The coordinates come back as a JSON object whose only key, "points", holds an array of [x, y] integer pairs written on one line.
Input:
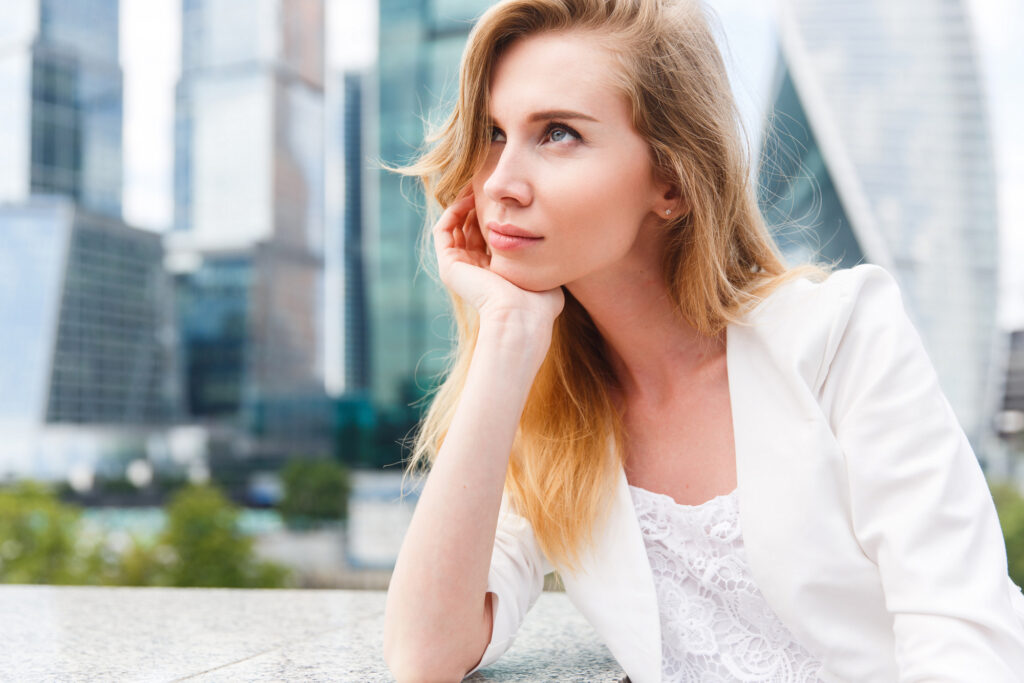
{"points": [[559, 114], [556, 114]]}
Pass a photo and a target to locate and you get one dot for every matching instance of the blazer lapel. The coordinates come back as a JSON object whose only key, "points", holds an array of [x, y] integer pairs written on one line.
{"points": [[779, 439], [614, 590]]}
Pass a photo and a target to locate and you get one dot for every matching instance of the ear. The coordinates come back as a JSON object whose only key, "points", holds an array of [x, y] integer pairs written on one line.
{"points": [[671, 203]]}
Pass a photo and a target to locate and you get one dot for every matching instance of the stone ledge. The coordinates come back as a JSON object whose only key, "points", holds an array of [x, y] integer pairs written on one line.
{"points": [[60, 633]]}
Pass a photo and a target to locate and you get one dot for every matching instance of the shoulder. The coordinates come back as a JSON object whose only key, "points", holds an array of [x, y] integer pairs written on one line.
{"points": [[802, 323], [802, 298]]}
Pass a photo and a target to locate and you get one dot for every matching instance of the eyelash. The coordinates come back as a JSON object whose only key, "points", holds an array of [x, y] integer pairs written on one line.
{"points": [[552, 126]]}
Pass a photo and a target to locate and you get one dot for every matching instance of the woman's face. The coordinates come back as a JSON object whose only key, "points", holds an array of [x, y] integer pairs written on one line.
{"points": [[565, 165]]}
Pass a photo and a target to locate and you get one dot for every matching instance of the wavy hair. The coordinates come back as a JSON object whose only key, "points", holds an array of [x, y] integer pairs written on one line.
{"points": [[719, 260]]}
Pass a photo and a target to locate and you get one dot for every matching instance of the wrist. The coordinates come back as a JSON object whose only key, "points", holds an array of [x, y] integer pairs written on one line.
{"points": [[515, 339]]}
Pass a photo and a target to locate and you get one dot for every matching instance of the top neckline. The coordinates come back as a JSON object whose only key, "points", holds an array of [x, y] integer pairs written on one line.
{"points": [[719, 498]]}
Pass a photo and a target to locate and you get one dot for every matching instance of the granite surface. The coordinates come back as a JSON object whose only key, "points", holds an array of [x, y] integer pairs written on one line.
{"points": [[63, 633]]}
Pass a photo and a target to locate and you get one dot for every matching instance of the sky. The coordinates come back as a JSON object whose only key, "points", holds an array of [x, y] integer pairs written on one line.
{"points": [[150, 57]]}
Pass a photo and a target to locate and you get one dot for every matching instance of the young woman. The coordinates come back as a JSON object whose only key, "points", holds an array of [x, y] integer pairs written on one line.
{"points": [[741, 471]]}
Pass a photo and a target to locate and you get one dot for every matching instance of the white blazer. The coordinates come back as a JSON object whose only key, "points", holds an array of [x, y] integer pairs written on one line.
{"points": [[867, 522]]}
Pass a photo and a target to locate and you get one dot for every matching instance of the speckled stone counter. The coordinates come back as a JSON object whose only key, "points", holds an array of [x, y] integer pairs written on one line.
{"points": [[50, 633]]}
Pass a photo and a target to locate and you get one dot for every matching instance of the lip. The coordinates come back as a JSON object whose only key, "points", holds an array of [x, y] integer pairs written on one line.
{"points": [[507, 236], [510, 230]]}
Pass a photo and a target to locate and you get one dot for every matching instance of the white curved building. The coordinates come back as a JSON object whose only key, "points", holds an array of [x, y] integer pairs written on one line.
{"points": [[879, 142]]}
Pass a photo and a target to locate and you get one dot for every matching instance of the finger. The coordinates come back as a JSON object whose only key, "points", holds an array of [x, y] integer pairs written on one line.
{"points": [[467, 227], [458, 237], [474, 235], [453, 216]]}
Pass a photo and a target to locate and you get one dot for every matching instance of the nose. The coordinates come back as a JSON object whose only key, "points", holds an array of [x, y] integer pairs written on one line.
{"points": [[509, 178]]}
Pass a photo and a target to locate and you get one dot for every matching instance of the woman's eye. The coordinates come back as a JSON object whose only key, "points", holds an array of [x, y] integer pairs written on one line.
{"points": [[497, 135], [560, 132]]}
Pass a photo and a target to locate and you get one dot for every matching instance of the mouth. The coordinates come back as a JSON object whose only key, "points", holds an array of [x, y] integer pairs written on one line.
{"points": [[507, 236]]}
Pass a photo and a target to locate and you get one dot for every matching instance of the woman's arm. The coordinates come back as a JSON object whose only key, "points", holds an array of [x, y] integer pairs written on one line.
{"points": [[920, 505], [438, 619], [438, 615]]}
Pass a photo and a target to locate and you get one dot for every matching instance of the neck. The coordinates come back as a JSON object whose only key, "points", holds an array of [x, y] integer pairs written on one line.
{"points": [[653, 351]]}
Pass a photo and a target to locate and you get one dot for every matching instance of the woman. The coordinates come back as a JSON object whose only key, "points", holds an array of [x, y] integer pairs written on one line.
{"points": [[639, 379]]}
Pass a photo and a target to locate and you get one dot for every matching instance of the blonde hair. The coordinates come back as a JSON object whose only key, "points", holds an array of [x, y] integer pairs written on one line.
{"points": [[719, 261]]}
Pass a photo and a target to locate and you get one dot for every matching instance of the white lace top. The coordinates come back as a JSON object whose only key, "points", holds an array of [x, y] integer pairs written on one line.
{"points": [[715, 624]]}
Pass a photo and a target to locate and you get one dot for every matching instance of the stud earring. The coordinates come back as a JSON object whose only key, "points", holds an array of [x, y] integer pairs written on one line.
{"points": [[668, 211]]}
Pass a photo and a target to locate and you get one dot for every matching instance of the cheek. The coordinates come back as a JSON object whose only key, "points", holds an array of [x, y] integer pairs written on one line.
{"points": [[606, 203]]}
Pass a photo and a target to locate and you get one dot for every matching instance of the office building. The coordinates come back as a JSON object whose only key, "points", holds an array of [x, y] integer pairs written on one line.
{"points": [[347, 347], [87, 343], [248, 237], [878, 150], [61, 102], [420, 47]]}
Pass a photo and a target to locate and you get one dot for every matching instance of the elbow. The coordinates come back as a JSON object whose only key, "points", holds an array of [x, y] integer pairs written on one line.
{"points": [[424, 663], [432, 651], [410, 667]]}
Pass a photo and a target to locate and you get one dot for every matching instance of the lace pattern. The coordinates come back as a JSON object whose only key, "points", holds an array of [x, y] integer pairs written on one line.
{"points": [[715, 624]]}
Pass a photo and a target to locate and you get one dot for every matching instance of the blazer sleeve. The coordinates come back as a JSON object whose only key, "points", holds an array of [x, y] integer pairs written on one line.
{"points": [[920, 506], [516, 578]]}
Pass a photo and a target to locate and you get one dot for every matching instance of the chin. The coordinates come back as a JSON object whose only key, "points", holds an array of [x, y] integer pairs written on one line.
{"points": [[525, 277]]}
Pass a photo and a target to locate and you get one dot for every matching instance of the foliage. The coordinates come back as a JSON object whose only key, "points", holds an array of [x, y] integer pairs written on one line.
{"points": [[42, 541], [1010, 506], [314, 491], [202, 545], [38, 537]]}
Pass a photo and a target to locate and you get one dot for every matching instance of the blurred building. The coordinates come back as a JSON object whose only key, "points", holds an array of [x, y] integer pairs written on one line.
{"points": [[348, 353], [356, 333], [878, 143], [87, 351], [247, 245], [85, 310], [60, 102], [420, 45], [1010, 418]]}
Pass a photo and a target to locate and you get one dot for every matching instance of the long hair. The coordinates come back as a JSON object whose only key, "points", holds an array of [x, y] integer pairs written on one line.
{"points": [[719, 261]]}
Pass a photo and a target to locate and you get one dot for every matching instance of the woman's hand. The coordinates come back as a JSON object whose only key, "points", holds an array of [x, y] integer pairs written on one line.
{"points": [[464, 266]]}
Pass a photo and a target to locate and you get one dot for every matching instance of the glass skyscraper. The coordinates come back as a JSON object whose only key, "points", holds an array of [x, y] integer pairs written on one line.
{"points": [[247, 244], [60, 102], [349, 221], [87, 350], [85, 309], [879, 143], [86, 314], [421, 42]]}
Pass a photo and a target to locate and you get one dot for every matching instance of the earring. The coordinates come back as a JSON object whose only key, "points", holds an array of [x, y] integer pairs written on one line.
{"points": [[668, 211]]}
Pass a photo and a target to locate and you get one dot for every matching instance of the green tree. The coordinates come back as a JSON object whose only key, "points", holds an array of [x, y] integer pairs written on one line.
{"points": [[1010, 506], [203, 545], [42, 541], [314, 491], [38, 537]]}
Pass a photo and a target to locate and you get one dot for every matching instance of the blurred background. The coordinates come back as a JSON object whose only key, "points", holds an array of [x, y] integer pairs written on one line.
{"points": [[215, 339]]}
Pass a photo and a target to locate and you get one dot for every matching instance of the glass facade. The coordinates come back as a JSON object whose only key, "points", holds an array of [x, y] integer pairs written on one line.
{"points": [[61, 114], [249, 123], [112, 362], [356, 349], [15, 124], [213, 318], [894, 98], [87, 350], [249, 202], [796, 192], [420, 43], [32, 265], [286, 329], [86, 318]]}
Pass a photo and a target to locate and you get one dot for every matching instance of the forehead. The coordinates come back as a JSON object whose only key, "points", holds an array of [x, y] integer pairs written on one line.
{"points": [[556, 71]]}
